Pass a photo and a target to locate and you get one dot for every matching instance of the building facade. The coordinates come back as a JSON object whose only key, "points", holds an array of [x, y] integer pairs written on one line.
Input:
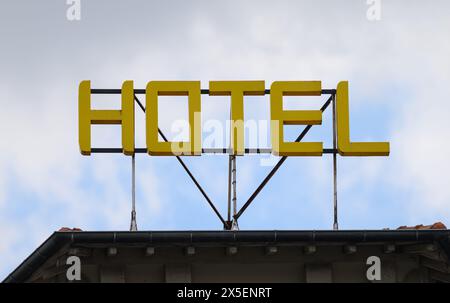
{"points": [[241, 256]]}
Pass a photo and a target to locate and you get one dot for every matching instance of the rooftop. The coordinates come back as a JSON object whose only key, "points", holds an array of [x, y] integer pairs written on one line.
{"points": [[73, 238]]}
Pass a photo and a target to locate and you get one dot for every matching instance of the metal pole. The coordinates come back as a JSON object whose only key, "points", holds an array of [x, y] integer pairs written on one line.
{"points": [[233, 170], [234, 225], [230, 165], [215, 151], [142, 91], [229, 191], [335, 221], [133, 225]]}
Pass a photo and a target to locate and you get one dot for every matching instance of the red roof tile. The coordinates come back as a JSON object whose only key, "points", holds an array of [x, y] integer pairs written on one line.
{"points": [[67, 229], [437, 225]]}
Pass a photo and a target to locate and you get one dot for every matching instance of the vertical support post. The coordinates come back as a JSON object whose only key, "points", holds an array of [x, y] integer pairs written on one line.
{"points": [[335, 216], [133, 224], [234, 224], [229, 193]]}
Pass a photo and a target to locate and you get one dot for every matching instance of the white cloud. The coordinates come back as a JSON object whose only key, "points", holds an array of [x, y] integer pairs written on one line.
{"points": [[406, 51]]}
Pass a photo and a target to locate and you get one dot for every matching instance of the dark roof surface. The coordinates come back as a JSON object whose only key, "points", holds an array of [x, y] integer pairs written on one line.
{"points": [[58, 239]]}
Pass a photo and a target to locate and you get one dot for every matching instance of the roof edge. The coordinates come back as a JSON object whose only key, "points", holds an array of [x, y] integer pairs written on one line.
{"points": [[58, 239]]}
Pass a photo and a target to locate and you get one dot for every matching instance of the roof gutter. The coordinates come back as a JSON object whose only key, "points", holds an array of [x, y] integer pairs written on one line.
{"points": [[58, 239]]}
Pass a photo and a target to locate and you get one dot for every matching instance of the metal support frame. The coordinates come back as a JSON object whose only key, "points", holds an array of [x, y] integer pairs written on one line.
{"points": [[234, 223], [189, 173], [229, 194], [278, 165], [133, 224], [214, 151], [335, 211], [231, 222], [232, 191]]}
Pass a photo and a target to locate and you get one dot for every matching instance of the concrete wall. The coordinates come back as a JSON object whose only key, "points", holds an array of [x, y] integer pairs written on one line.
{"points": [[221, 263]]}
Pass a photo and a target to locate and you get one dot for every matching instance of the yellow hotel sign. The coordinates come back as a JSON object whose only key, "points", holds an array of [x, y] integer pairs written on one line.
{"points": [[236, 90]]}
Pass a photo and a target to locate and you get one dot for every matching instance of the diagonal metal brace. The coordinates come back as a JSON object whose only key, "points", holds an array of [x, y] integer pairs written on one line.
{"points": [[278, 165], [225, 224]]}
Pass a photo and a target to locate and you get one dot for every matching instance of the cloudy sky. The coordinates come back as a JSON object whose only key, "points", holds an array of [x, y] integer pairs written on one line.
{"points": [[398, 68]]}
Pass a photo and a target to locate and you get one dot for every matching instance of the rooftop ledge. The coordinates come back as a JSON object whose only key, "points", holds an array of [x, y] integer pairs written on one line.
{"points": [[74, 237]]}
